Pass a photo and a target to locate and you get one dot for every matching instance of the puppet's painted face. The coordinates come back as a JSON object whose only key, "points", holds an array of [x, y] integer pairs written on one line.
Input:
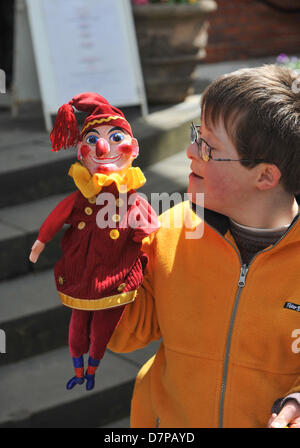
{"points": [[107, 149]]}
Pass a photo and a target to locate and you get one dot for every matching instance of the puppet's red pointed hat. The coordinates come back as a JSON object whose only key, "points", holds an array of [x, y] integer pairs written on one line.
{"points": [[65, 132]]}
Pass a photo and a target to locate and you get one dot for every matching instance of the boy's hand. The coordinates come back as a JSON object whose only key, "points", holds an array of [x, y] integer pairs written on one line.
{"points": [[36, 250], [289, 415]]}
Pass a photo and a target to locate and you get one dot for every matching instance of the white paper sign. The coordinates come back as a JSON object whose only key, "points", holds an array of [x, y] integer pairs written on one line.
{"points": [[90, 50], [85, 46]]}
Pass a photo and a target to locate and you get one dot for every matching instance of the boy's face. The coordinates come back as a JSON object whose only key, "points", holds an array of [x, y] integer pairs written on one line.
{"points": [[107, 149], [226, 185]]}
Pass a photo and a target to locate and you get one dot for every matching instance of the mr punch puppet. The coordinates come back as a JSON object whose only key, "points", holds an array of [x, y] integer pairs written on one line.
{"points": [[102, 263]]}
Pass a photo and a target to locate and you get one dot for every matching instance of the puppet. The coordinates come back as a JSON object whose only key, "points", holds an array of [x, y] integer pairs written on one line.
{"points": [[102, 264]]}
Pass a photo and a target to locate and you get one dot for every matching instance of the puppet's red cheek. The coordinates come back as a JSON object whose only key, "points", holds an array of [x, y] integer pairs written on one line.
{"points": [[125, 148], [85, 150]]}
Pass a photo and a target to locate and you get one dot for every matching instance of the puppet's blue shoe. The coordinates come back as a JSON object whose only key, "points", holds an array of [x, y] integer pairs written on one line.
{"points": [[90, 381], [73, 381]]}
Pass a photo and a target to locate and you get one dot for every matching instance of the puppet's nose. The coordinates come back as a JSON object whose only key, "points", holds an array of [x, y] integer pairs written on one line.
{"points": [[102, 147]]}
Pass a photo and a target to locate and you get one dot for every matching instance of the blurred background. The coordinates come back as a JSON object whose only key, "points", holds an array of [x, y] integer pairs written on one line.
{"points": [[181, 46]]}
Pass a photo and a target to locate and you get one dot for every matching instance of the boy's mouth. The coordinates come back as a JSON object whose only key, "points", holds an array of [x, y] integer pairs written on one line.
{"points": [[196, 175]]}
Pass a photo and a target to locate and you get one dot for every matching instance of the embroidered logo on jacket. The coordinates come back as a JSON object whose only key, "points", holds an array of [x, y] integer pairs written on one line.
{"points": [[292, 306]]}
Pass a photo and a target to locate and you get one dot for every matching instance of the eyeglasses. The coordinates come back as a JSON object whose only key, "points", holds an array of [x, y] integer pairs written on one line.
{"points": [[205, 149]]}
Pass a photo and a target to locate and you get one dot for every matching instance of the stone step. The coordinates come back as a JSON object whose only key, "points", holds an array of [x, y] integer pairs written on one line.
{"points": [[29, 170], [32, 316], [33, 392], [19, 224], [122, 423]]}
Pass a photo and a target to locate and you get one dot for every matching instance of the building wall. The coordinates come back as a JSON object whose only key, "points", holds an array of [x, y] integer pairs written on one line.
{"points": [[241, 29]]}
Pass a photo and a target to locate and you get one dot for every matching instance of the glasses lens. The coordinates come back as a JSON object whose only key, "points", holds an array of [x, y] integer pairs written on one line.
{"points": [[194, 133], [205, 151]]}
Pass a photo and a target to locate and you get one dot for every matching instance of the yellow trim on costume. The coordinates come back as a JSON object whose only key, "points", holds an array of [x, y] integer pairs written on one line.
{"points": [[92, 185], [102, 120], [98, 304]]}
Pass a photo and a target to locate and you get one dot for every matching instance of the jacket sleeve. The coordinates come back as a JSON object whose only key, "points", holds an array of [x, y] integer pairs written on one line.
{"points": [[139, 324], [280, 402], [57, 218], [293, 394], [295, 387]]}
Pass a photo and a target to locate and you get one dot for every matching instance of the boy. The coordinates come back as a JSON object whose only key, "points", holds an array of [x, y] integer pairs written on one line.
{"points": [[227, 305]]}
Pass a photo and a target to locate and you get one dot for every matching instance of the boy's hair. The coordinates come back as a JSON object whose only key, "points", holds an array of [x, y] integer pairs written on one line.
{"points": [[260, 110]]}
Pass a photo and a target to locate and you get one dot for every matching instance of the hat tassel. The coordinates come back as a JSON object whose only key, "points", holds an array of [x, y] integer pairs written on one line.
{"points": [[65, 132]]}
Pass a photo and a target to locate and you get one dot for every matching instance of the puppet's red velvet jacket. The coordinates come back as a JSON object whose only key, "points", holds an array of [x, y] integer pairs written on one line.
{"points": [[100, 267]]}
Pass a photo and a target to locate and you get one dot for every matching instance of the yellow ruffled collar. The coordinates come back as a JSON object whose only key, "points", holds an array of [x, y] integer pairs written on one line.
{"points": [[92, 185]]}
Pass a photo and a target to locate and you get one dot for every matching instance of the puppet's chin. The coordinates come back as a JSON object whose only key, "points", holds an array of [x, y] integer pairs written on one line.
{"points": [[103, 170]]}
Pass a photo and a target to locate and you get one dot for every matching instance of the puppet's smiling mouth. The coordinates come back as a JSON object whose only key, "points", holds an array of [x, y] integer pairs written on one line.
{"points": [[107, 160]]}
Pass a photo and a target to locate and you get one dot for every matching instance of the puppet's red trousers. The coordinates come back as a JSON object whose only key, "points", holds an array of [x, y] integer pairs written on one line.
{"points": [[90, 331]]}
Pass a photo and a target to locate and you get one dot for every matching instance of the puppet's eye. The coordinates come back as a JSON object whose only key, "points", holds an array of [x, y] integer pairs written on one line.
{"points": [[116, 137], [92, 139]]}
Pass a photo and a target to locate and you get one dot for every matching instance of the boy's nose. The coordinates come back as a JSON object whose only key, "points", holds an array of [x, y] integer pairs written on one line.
{"points": [[102, 147], [189, 152], [192, 152]]}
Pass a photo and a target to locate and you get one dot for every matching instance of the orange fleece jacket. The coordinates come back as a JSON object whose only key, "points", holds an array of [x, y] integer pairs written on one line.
{"points": [[228, 351]]}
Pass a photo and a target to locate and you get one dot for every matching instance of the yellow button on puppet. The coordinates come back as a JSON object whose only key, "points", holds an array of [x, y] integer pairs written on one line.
{"points": [[61, 280], [114, 234], [88, 210], [121, 287]]}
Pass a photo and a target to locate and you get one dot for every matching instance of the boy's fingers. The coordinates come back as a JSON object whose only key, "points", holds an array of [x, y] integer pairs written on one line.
{"points": [[295, 423], [271, 419], [285, 416]]}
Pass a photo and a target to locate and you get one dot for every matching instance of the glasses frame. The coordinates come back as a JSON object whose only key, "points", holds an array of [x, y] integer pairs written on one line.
{"points": [[206, 158]]}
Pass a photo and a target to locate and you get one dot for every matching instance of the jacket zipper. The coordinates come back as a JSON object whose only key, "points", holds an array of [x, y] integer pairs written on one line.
{"points": [[241, 283]]}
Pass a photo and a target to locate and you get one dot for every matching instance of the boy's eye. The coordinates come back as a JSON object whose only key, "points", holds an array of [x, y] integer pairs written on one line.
{"points": [[116, 137], [92, 139]]}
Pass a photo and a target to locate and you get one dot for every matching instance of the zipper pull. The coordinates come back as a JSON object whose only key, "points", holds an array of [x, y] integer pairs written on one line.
{"points": [[242, 279]]}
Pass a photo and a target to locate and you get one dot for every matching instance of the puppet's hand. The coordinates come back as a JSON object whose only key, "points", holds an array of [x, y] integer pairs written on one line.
{"points": [[36, 250]]}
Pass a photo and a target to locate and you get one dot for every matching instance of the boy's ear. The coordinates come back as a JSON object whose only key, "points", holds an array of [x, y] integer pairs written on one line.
{"points": [[268, 177]]}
